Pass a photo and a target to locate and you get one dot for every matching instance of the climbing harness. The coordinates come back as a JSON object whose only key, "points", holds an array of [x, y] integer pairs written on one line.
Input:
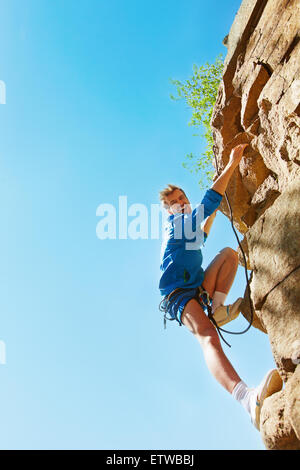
{"points": [[202, 296], [169, 304], [197, 293], [165, 303]]}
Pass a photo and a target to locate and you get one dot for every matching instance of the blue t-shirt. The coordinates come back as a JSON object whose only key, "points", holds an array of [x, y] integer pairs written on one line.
{"points": [[181, 256]]}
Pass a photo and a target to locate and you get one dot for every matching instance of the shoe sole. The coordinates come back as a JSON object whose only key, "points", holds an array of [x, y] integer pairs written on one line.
{"points": [[237, 307], [272, 384]]}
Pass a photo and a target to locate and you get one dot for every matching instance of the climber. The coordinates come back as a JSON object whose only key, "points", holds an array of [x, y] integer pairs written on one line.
{"points": [[188, 290]]}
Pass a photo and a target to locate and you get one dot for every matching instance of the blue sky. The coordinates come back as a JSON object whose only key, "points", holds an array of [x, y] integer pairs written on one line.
{"points": [[88, 117]]}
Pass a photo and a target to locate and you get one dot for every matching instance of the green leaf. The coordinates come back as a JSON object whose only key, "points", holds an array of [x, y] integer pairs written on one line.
{"points": [[200, 93]]}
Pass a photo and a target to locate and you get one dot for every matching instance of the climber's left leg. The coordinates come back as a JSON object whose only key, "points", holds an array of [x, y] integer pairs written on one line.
{"points": [[220, 273], [218, 279]]}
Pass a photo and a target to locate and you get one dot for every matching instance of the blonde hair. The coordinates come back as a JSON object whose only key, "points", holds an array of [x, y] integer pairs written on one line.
{"points": [[167, 191]]}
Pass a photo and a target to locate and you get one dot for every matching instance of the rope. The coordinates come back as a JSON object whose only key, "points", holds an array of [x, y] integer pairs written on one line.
{"points": [[208, 305], [245, 266]]}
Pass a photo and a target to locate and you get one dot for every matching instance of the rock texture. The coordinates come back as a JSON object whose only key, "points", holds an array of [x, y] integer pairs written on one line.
{"points": [[259, 103]]}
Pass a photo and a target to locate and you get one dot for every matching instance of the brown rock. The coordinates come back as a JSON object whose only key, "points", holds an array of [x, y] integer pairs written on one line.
{"points": [[280, 316], [274, 243], [276, 429], [292, 392], [252, 88], [251, 316], [280, 417], [259, 103]]}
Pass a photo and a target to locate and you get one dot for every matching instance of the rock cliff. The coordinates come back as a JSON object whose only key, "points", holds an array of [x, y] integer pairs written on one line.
{"points": [[259, 102]]}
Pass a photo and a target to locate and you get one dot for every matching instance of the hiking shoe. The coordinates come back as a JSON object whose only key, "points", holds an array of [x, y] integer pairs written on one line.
{"points": [[226, 313], [271, 383]]}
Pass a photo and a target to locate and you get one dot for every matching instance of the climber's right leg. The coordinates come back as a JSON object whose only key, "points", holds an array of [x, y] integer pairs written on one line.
{"points": [[194, 318]]}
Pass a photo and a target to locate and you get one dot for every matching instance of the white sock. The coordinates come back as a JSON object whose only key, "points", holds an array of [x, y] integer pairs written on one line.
{"points": [[244, 395], [218, 299]]}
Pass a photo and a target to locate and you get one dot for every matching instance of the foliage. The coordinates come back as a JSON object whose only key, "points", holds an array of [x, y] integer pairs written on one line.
{"points": [[200, 93]]}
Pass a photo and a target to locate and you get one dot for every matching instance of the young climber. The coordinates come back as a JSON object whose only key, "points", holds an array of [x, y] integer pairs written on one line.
{"points": [[187, 289]]}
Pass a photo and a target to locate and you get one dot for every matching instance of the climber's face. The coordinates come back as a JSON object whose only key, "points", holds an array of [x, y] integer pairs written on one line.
{"points": [[177, 203]]}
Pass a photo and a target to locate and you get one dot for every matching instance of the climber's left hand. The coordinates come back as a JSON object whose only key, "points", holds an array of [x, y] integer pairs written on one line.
{"points": [[237, 154]]}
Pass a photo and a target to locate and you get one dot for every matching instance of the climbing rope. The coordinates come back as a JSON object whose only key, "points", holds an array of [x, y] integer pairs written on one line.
{"points": [[245, 266], [206, 303]]}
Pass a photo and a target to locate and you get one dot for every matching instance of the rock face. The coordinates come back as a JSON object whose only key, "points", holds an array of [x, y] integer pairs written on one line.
{"points": [[259, 103]]}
